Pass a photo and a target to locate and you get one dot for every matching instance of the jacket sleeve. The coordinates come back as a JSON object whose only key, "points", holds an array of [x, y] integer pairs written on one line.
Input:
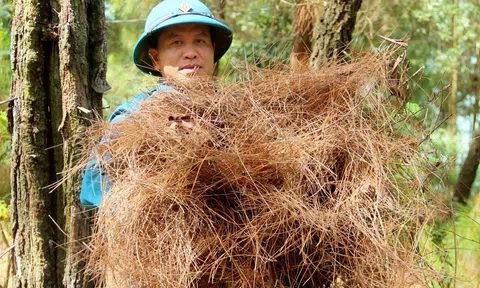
{"points": [[95, 182]]}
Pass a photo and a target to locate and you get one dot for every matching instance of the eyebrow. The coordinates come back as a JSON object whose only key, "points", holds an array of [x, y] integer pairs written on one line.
{"points": [[174, 34]]}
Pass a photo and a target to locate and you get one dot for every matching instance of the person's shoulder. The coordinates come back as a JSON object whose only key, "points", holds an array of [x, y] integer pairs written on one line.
{"points": [[130, 106], [135, 103]]}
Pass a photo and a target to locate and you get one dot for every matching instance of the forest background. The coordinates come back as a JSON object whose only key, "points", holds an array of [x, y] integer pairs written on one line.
{"points": [[443, 45]]}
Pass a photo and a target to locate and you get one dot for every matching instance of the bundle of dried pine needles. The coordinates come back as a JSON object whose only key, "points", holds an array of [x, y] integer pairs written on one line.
{"points": [[283, 179]]}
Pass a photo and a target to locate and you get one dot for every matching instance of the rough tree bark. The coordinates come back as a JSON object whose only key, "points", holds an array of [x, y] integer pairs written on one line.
{"points": [[83, 67], [31, 170], [333, 31], [58, 74]]}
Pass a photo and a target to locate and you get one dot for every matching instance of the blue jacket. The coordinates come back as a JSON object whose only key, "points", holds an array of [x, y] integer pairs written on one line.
{"points": [[95, 182]]}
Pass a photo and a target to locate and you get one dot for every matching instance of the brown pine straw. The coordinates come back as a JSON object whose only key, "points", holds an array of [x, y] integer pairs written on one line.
{"points": [[282, 179], [305, 14]]}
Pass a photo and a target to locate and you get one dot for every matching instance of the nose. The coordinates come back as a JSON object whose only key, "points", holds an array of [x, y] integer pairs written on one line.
{"points": [[190, 52]]}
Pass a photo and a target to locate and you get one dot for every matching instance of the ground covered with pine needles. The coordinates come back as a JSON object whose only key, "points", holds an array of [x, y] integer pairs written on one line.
{"points": [[282, 179]]}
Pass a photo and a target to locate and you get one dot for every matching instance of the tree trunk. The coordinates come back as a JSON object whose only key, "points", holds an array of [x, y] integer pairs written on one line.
{"points": [[58, 66], [305, 15], [333, 31], [452, 100], [82, 47], [476, 81], [469, 170], [475, 107], [32, 169]]}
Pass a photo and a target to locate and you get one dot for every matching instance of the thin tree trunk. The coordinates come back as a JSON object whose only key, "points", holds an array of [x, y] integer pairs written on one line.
{"points": [[469, 170], [333, 31], [475, 109], [452, 101], [476, 88], [58, 70]]}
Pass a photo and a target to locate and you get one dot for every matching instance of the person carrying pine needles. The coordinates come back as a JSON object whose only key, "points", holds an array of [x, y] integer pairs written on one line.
{"points": [[182, 40], [283, 178]]}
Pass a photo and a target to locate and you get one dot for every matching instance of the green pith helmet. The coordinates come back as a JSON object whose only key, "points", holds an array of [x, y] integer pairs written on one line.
{"points": [[174, 12]]}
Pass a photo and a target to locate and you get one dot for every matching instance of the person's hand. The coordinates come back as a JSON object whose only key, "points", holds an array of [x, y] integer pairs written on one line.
{"points": [[185, 121]]}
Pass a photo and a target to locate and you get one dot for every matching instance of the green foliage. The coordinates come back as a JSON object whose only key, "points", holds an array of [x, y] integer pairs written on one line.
{"points": [[124, 78], [416, 110], [263, 34], [412, 108], [4, 138], [4, 158], [4, 211], [452, 246], [429, 27], [6, 12]]}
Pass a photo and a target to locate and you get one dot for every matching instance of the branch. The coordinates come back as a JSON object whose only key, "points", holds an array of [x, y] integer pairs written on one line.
{"points": [[8, 100]]}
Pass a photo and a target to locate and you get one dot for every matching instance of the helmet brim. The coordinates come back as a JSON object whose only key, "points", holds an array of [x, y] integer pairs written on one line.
{"points": [[221, 36]]}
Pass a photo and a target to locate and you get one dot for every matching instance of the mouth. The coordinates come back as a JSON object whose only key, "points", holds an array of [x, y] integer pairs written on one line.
{"points": [[190, 70], [191, 67]]}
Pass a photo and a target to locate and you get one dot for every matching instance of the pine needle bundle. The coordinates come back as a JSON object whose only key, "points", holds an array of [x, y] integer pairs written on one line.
{"points": [[282, 179]]}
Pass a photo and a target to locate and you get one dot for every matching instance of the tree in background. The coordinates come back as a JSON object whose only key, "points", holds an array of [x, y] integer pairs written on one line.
{"points": [[333, 30], [469, 169], [322, 30], [468, 172], [451, 243], [58, 54], [452, 100], [443, 56]]}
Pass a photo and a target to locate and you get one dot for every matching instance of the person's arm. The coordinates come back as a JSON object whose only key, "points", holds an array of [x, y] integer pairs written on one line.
{"points": [[95, 182]]}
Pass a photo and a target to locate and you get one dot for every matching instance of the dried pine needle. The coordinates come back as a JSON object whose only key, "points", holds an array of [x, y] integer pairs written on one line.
{"points": [[284, 179]]}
